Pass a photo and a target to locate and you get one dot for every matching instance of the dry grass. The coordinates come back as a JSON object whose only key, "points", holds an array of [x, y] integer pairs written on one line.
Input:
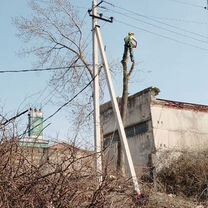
{"points": [[187, 176], [51, 185]]}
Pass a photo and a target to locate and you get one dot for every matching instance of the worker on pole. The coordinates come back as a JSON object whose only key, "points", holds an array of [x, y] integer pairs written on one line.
{"points": [[129, 43]]}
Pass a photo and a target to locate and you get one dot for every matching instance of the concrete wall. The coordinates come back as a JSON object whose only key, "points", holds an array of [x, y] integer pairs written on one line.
{"points": [[154, 126], [141, 148], [138, 127], [61, 155], [179, 128], [138, 111]]}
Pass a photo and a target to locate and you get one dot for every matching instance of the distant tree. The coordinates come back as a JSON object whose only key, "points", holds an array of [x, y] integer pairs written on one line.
{"points": [[55, 33]]}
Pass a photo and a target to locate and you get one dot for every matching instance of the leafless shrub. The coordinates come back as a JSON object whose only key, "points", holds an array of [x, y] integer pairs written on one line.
{"points": [[187, 175], [65, 178]]}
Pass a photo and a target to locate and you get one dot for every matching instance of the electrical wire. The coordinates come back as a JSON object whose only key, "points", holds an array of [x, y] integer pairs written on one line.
{"points": [[109, 3], [14, 117], [65, 104], [86, 43], [181, 2], [130, 12], [49, 96], [38, 70], [62, 106], [43, 1], [52, 93], [53, 114], [160, 35], [186, 3], [157, 34], [69, 101], [180, 20], [162, 28]]}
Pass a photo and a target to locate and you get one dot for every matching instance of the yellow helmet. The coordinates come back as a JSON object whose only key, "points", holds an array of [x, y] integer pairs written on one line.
{"points": [[130, 33]]}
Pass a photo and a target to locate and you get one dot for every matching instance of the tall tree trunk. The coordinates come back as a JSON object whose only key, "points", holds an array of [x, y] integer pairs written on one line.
{"points": [[123, 110]]}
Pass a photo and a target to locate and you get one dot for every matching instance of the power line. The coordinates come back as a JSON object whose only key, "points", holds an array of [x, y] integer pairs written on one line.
{"points": [[53, 114], [43, 1], [39, 70], [180, 2], [14, 117], [180, 20], [187, 3], [62, 106], [51, 93], [108, 3], [69, 101], [155, 20], [163, 36], [162, 28]]}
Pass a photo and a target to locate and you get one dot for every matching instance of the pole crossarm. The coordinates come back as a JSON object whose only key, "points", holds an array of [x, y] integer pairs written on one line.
{"points": [[100, 15]]}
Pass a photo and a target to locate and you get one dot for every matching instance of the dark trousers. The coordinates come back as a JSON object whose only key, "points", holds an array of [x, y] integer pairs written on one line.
{"points": [[125, 54]]}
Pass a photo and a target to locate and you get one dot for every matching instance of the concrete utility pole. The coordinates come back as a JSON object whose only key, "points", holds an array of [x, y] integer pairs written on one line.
{"points": [[96, 96], [117, 114], [97, 39]]}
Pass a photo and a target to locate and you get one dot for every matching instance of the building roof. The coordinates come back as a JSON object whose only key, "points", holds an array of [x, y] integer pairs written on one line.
{"points": [[64, 146], [154, 91], [181, 105]]}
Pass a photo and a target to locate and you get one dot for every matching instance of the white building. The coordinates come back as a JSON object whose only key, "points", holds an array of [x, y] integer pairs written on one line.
{"points": [[153, 125]]}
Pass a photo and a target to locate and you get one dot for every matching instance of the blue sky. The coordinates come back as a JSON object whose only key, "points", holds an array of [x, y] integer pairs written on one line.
{"points": [[172, 53]]}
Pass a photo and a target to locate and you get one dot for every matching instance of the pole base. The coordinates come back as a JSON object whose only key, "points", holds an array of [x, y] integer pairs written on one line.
{"points": [[141, 199]]}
